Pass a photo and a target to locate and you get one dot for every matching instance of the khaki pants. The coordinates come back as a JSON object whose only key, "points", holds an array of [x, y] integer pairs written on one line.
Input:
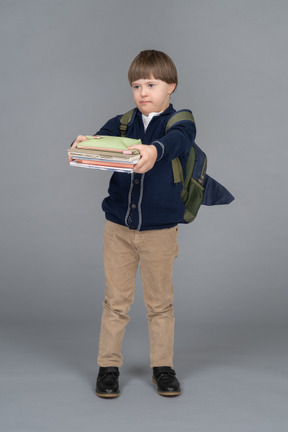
{"points": [[123, 250]]}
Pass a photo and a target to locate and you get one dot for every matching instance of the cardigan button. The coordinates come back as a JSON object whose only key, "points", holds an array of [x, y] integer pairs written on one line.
{"points": [[133, 206]]}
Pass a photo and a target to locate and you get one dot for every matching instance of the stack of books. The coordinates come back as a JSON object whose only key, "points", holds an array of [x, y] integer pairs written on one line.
{"points": [[105, 153]]}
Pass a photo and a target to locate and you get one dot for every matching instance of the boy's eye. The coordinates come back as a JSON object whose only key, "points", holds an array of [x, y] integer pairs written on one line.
{"points": [[151, 85], [136, 87]]}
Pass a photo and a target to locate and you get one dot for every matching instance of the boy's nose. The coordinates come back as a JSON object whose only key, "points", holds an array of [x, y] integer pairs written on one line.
{"points": [[143, 91]]}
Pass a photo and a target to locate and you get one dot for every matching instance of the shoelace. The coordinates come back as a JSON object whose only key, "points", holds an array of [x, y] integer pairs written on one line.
{"points": [[164, 372], [114, 374]]}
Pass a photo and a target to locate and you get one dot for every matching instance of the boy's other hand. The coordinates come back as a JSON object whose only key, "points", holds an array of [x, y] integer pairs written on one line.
{"points": [[78, 140], [148, 157]]}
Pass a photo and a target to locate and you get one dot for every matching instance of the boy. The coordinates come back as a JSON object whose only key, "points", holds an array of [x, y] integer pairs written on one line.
{"points": [[142, 215]]}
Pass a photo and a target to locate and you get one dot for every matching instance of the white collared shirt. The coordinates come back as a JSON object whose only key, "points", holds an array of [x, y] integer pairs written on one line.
{"points": [[147, 119]]}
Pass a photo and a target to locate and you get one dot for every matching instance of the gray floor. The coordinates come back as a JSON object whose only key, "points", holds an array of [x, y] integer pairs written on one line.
{"points": [[233, 379]]}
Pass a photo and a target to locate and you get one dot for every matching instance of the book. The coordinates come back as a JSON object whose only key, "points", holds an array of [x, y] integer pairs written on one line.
{"points": [[116, 144], [112, 154], [103, 154], [103, 168]]}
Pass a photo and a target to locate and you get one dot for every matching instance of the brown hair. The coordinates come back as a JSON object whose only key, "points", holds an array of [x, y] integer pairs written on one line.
{"points": [[153, 63]]}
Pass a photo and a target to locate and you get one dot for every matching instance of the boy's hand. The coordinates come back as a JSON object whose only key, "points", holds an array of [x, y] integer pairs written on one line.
{"points": [[78, 140], [148, 157]]}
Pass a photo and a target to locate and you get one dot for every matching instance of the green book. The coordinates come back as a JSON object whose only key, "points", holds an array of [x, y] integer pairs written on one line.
{"points": [[110, 143]]}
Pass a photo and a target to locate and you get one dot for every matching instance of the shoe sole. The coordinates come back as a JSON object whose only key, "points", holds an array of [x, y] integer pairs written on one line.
{"points": [[161, 393], [108, 396]]}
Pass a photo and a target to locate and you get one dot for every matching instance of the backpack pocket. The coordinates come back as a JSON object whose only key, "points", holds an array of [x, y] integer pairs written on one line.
{"points": [[192, 197]]}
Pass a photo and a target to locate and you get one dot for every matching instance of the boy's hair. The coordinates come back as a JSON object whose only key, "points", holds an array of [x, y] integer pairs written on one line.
{"points": [[153, 63]]}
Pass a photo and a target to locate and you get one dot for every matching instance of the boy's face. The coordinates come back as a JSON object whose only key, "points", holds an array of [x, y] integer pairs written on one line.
{"points": [[152, 95]]}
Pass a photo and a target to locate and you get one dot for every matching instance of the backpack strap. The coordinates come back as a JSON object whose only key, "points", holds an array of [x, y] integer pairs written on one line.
{"points": [[125, 120], [179, 116]]}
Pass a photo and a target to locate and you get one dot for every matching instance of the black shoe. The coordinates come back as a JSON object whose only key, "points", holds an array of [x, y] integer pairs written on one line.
{"points": [[165, 378], [107, 385]]}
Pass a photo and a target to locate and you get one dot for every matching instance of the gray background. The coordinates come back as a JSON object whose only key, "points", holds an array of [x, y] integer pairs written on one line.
{"points": [[64, 72]]}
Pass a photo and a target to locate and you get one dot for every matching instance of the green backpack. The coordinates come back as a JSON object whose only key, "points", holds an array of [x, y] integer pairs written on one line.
{"points": [[198, 187]]}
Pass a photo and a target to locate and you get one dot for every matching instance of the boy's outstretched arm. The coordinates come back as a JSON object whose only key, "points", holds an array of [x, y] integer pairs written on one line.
{"points": [[148, 157]]}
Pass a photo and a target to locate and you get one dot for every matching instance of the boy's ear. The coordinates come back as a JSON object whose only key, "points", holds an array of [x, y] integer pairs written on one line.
{"points": [[172, 88]]}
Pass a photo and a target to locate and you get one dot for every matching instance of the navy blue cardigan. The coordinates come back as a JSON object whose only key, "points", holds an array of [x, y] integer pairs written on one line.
{"points": [[151, 200]]}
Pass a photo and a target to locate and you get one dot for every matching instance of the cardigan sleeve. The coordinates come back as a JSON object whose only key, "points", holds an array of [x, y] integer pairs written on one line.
{"points": [[176, 142]]}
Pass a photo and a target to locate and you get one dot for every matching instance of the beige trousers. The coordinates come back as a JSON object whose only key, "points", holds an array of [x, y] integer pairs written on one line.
{"points": [[123, 250]]}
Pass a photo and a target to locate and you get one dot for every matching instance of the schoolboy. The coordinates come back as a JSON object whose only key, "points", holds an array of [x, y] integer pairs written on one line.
{"points": [[143, 211]]}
